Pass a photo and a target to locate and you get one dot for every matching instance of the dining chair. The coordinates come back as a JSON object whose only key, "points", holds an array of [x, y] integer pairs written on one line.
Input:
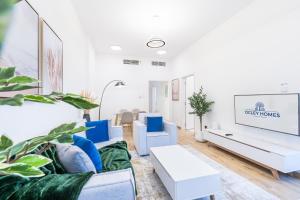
{"points": [[127, 119], [135, 113]]}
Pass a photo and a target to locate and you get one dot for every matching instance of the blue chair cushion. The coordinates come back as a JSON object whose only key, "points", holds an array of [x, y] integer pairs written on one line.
{"points": [[90, 149], [100, 131], [155, 124]]}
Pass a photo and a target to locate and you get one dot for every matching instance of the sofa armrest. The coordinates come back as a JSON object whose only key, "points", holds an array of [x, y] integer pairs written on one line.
{"points": [[171, 129], [116, 132], [140, 137], [115, 185]]}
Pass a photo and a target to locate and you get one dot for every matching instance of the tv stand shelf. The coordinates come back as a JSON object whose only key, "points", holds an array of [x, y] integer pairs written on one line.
{"points": [[275, 157]]}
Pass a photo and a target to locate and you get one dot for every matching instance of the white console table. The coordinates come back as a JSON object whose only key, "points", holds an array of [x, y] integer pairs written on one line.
{"points": [[273, 156]]}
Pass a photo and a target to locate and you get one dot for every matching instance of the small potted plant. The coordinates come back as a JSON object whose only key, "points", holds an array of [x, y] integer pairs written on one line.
{"points": [[201, 106]]}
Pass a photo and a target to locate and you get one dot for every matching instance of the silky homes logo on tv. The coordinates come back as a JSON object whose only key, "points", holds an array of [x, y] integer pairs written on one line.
{"points": [[260, 111]]}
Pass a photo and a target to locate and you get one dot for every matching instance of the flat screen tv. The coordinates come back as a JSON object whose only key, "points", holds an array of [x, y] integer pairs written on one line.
{"points": [[275, 112]]}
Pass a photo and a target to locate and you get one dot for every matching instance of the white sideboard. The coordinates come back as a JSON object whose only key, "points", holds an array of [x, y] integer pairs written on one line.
{"points": [[273, 156]]}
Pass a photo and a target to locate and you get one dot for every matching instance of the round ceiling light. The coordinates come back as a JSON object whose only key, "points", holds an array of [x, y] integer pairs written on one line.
{"points": [[115, 48], [156, 43]]}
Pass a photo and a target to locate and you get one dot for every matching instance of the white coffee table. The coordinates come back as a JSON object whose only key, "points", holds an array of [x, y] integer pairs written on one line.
{"points": [[184, 175]]}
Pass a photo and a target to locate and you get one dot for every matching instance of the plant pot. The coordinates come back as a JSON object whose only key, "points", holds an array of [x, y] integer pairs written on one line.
{"points": [[200, 136], [86, 115]]}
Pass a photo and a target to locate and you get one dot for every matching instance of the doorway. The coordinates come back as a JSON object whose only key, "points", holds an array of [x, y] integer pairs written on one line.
{"points": [[158, 98], [189, 89]]}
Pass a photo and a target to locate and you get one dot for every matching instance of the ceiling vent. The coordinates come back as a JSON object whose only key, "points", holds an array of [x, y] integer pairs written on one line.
{"points": [[159, 63], [131, 62]]}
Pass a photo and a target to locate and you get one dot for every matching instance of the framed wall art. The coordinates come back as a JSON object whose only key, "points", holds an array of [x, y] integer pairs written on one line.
{"points": [[175, 90], [51, 60]]}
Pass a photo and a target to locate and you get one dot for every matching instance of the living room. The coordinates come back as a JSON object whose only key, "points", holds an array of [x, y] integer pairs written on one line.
{"points": [[149, 100]]}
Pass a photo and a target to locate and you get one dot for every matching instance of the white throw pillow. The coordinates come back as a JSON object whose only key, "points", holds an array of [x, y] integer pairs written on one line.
{"points": [[74, 159]]}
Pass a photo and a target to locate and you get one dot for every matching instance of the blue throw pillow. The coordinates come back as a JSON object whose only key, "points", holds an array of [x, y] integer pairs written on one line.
{"points": [[90, 149], [100, 131], [155, 124]]}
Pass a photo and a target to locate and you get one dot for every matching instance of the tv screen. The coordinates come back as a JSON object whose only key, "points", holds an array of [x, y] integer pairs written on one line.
{"points": [[275, 112]]}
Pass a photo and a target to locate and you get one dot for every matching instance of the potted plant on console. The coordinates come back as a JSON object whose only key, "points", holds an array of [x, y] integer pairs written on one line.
{"points": [[201, 106]]}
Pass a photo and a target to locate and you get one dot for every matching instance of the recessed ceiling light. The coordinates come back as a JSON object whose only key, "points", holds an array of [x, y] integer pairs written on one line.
{"points": [[115, 48], [161, 52], [156, 16], [156, 43]]}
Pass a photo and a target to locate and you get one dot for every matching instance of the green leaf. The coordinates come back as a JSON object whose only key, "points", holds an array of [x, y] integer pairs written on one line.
{"points": [[73, 95], [34, 143], [34, 160], [63, 128], [16, 149], [22, 80], [38, 98], [16, 87], [7, 72], [17, 100], [3, 156], [20, 169], [65, 138], [56, 95], [62, 136], [5, 142], [79, 102], [3, 165]]}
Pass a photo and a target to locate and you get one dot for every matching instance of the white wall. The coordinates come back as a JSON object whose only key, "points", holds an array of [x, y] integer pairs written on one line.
{"points": [[36, 119], [136, 92], [253, 52]]}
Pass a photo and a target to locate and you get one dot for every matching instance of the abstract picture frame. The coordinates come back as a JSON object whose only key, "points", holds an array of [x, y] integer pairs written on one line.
{"points": [[175, 89], [51, 59]]}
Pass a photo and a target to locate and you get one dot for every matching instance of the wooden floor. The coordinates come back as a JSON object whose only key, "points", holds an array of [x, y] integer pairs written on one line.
{"points": [[287, 188]]}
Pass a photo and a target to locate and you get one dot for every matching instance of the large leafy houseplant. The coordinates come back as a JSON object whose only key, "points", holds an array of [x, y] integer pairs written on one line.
{"points": [[19, 159], [200, 104], [23, 158]]}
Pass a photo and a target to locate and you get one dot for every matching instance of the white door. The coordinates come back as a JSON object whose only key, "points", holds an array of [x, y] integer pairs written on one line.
{"points": [[154, 100], [189, 90]]}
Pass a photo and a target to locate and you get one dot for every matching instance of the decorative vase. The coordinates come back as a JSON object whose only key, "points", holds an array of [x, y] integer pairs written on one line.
{"points": [[200, 136], [86, 115]]}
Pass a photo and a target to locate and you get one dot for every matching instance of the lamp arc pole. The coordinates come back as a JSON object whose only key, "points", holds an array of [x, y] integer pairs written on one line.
{"points": [[106, 86]]}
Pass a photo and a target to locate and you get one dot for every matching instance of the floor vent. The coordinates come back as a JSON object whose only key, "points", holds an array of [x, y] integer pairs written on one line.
{"points": [[131, 62], [159, 63]]}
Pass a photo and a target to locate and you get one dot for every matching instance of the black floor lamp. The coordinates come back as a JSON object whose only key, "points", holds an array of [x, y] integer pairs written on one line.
{"points": [[119, 83]]}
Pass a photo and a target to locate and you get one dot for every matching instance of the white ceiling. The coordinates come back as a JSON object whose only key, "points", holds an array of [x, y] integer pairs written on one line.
{"points": [[131, 23]]}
